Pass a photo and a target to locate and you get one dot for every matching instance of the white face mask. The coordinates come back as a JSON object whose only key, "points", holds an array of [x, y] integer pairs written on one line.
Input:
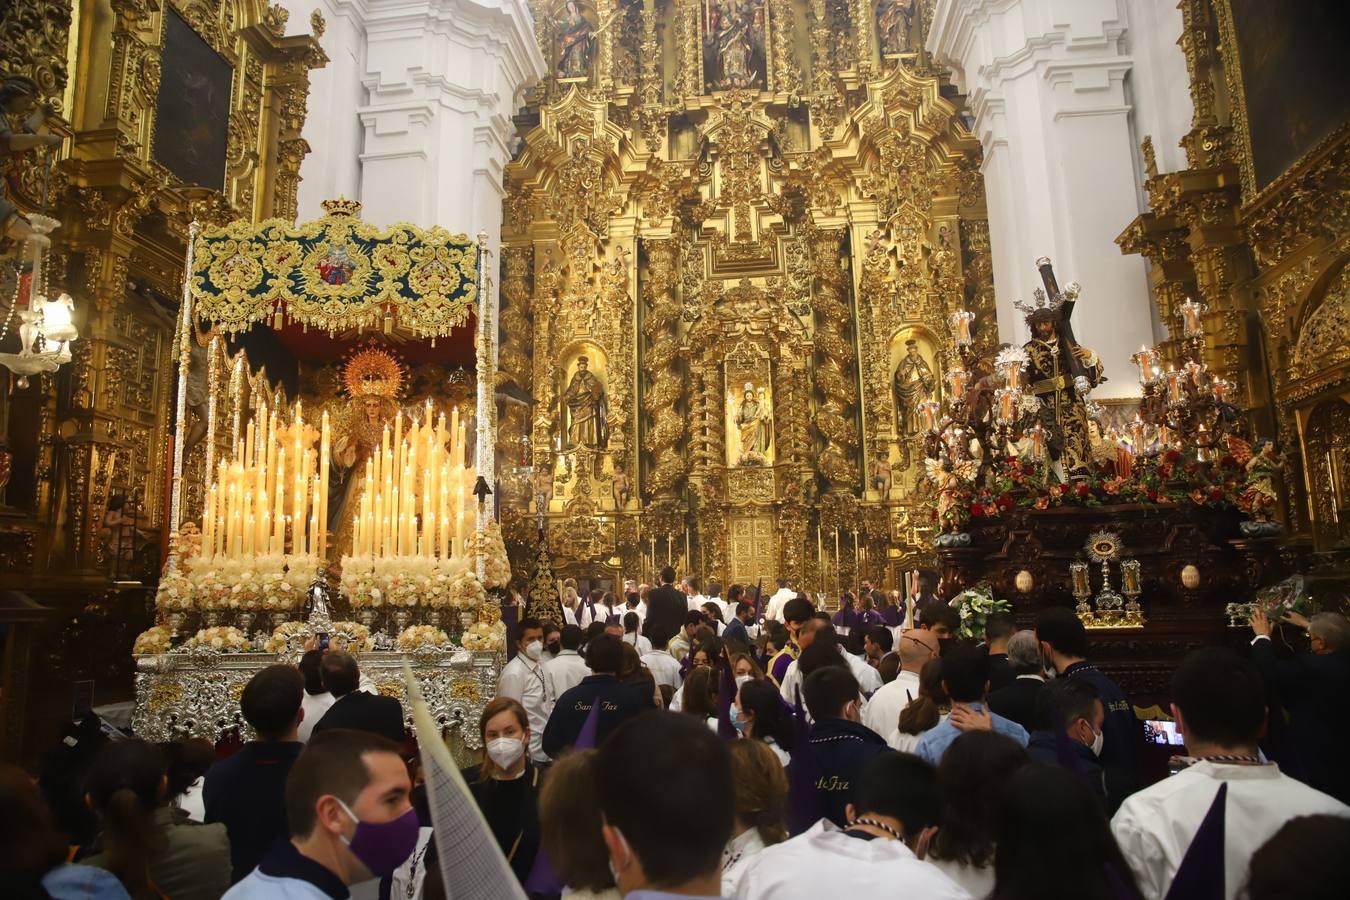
{"points": [[505, 751], [534, 649], [1098, 739], [742, 679]]}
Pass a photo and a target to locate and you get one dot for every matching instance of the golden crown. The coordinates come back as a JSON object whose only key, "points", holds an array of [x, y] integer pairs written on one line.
{"points": [[342, 207]]}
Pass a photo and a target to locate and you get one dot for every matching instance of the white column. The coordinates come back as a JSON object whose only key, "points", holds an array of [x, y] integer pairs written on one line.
{"points": [[443, 78], [1047, 82], [333, 167]]}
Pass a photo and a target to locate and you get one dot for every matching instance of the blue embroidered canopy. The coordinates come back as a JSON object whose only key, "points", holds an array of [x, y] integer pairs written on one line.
{"points": [[334, 273]]}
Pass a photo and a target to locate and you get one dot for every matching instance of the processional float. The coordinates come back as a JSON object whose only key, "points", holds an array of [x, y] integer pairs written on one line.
{"points": [[386, 515]]}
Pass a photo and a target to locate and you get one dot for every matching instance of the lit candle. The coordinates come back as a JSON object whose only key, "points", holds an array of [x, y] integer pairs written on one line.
{"points": [[1078, 572], [248, 444], [1006, 398], [324, 457], [1145, 359], [1037, 434], [1175, 381], [956, 382], [928, 411], [961, 321], [1192, 325], [1137, 434]]}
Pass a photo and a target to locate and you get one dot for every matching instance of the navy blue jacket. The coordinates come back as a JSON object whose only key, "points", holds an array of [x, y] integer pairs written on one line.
{"points": [[1123, 735], [247, 793], [842, 750], [619, 702]]}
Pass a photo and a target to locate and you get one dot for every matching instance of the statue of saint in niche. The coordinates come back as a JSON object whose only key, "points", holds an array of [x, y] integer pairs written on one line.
{"points": [[575, 43], [753, 419], [733, 44], [585, 408], [914, 383], [895, 24]]}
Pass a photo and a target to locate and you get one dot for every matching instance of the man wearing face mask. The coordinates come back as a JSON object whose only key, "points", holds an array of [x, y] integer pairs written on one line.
{"points": [[1070, 706], [1064, 645], [522, 680], [841, 744], [350, 820]]}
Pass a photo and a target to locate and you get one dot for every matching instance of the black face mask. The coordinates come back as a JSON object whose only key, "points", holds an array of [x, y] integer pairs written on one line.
{"points": [[632, 599], [555, 647]]}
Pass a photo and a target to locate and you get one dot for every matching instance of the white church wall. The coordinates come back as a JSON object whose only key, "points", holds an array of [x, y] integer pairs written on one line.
{"points": [[1061, 92]]}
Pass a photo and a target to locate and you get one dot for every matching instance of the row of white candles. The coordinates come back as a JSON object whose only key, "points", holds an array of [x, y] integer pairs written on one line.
{"points": [[413, 503], [415, 500], [247, 512]]}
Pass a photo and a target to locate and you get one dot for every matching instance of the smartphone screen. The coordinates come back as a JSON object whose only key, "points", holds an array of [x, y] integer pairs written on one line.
{"points": [[1160, 731], [323, 642]]}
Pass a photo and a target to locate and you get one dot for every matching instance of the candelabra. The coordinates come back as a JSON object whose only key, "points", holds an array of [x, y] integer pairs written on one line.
{"points": [[1187, 401]]}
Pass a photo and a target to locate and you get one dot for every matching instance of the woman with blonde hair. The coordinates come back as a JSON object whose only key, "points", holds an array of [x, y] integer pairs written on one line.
{"points": [[761, 808], [506, 785], [569, 821]]}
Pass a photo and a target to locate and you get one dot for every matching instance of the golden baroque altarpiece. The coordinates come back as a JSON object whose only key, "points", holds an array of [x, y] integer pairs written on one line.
{"points": [[125, 214], [101, 426], [1268, 258], [738, 213]]}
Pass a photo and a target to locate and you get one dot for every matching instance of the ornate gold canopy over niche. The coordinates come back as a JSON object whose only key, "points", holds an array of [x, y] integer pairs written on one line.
{"points": [[715, 193]]}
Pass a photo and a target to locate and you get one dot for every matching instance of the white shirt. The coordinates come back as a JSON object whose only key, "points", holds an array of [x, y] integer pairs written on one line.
{"points": [[774, 611], [569, 616], [868, 678], [1154, 827], [665, 668], [883, 707], [978, 881], [602, 614], [739, 852], [192, 802], [825, 862], [563, 672], [314, 705], [522, 680], [696, 601], [640, 643]]}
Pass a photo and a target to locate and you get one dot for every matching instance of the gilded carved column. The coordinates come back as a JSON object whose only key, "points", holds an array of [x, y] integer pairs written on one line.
{"points": [[514, 350], [836, 378], [666, 425]]}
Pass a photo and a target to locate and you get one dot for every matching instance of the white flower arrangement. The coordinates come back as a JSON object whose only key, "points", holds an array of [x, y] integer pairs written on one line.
{"points": [[222, 639], [158, 639], [352, 637], [496, 565], [975, 606], [282, 635], [417, 637], [175, 592], [406, 582], [268, 582], [466, 591], [485, 636]]}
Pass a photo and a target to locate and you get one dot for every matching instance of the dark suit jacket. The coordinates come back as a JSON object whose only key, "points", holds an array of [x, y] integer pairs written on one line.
{"points": [[666, 607], [246, 792], [1314, 689], [366, 712], [1000, 672], [1017, 702]]}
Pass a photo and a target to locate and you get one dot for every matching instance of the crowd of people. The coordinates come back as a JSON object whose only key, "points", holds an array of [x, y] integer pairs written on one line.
{"points": [[676, 743]]}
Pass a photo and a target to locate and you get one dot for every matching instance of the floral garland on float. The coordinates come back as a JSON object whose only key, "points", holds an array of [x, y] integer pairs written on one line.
{"points": [[153, 641], [496, 565], [423, 637], [489, 637], [221, 639]]}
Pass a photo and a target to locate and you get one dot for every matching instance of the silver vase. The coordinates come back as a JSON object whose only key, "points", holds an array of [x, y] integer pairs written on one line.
{"points": [[366, 616], [434, 618], [244, 621], [401, 619], [210, 618]]}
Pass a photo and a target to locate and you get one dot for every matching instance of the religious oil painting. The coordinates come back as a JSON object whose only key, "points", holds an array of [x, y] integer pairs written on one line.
{"points": [[192, 116], [914, 380], [735, 35], [897, 26], [1294, 78], [575, 42]]}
